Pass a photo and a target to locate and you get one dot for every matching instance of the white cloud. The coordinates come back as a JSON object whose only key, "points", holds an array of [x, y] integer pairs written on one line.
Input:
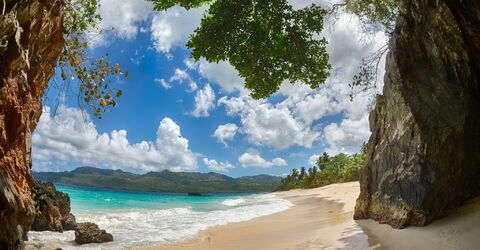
{"points": [[302, 114], [221, 73], [300, 118], [312, 161], [164, 83], [217, 166], [179, 76], [204, 101], [121, 20], [225, 132], [269, 125], [348, 136], [71, 137], [253, 159], [171, 28]]}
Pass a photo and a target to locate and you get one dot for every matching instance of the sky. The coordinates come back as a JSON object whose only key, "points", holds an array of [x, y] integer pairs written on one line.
{"points": [[183, 115]]}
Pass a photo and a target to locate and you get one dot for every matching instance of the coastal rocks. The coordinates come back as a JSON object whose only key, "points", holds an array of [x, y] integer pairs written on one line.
{"points": [[52, 209], [423, 157], [31, 39], [90, 233]]}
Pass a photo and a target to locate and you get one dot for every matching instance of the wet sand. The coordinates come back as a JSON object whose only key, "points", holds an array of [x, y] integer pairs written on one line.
{"points": [[322, 219]]}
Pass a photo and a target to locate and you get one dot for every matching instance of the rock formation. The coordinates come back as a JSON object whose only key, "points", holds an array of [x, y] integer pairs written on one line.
{"points": [[52, 209], [31, 40], [90, 233], [423, 157]]}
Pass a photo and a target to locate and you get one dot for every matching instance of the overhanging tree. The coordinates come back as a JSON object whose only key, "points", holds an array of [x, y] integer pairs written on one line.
{"points": [[270, 42]]}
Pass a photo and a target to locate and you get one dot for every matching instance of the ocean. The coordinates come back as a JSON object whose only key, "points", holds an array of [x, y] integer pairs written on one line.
{"points": [[142, 219]]}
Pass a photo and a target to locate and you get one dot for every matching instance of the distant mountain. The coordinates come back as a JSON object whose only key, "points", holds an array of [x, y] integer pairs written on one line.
{"points": [[165, 181]]}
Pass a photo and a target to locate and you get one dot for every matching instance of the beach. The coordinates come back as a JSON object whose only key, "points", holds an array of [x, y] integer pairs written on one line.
{"points": [[321, 218]]}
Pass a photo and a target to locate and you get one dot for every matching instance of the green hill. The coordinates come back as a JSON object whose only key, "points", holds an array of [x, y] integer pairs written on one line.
{"points": [[165, 181]]}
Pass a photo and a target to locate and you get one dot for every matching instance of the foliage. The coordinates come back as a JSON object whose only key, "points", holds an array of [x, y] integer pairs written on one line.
{"points": [[328, 170], [165, 181], [93, 74], [375, 11], [268, 42]]}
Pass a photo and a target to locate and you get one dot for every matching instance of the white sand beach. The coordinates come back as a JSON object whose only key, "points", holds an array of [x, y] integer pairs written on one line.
{"points": [[322, 219]]}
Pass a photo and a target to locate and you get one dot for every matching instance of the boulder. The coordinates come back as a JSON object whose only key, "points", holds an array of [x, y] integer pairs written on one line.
{"points": [[52, 209], [90, 233]]}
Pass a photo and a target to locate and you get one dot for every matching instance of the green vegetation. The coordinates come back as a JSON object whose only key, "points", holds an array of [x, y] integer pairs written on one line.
{"points": [[93, 75], [270, 42], [328, 170], [165, 181]]}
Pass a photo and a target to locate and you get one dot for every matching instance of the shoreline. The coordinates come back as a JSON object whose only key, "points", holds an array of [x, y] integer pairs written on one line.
{"points": [[322, 218], [319, 219]]}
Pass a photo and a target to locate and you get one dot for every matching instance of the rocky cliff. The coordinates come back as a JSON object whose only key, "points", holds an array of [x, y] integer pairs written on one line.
{"points": [[31, 40], [423, 157], [52, 209]]}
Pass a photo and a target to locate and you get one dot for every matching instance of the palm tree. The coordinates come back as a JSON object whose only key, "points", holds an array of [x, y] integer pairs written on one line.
{"points": [[294, 175], [303, 173]]}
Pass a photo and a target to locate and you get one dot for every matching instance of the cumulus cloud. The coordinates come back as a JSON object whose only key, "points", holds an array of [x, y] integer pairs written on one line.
{"points": [[71, 136], [171, 28], [312, 161], [217, 166], [225, 132], [347, 136], [179, 76], [121, 20], [222, 73], [253, 159], [269, 125], [204, 101]]}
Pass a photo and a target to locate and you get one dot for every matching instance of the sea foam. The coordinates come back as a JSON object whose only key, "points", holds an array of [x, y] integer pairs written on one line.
{"points": [[140, 227]]}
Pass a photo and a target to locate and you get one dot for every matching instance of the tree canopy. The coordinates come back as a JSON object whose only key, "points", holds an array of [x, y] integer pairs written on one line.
{"points": [[92, 75], [270, 42], [327, 170]]}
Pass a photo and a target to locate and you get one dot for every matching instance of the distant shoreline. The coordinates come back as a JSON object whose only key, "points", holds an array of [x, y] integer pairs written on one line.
{"points": [[151, 192], [162, 182]]}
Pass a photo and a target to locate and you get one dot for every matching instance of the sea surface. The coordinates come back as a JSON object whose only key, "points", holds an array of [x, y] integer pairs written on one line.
{"points": [[142, 219]]}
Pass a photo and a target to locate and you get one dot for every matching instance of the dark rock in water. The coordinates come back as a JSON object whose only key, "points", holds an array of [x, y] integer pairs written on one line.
{"points": [[69, 223], [52, 209], [90, 233], [31, 38], [423, 157], [194, 194]]}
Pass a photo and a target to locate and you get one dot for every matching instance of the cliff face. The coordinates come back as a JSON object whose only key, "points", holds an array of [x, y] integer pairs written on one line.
{"points": [[30, 42], [52, 209], [423, 157]]}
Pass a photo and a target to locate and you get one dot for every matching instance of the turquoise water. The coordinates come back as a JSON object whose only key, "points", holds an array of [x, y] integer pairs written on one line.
{"points": [[142, 219], [90, 199]]}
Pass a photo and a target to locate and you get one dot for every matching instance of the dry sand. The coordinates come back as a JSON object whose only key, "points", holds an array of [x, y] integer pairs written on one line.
{"points": [[322, 219]]}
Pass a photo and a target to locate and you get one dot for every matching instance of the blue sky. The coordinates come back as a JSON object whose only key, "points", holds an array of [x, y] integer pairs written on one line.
{"points": [[196, 116]]}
